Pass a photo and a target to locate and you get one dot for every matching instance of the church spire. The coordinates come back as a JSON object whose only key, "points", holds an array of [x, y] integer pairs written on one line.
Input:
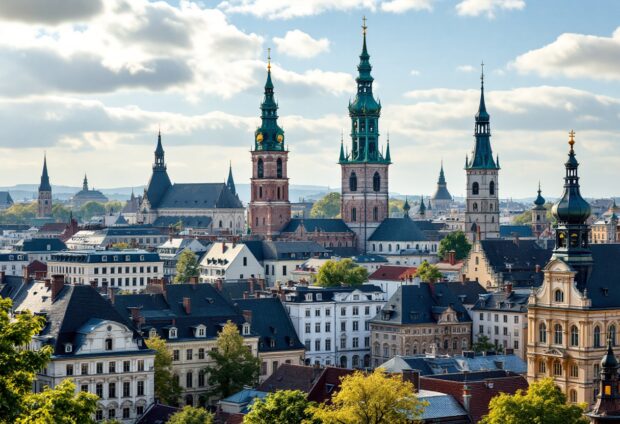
{"points": [[269, 136], [482, 156], [159, 154], [45, 179], [231, 182], [85, 183]]}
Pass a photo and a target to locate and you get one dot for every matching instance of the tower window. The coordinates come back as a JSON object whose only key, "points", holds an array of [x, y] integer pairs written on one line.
{"points": [[353, 182], [557, 334], [376, 182], [559, 296], [279, 168], [475, 188], [375, 214], [279, 193], [542, 333], [353, 214], [597, 336], [260, 170], [260, 192], [492, 188], [475, 206]]}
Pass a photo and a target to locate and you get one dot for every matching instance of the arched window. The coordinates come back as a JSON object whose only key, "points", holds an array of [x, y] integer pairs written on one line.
{"points": [[542, 332], [611, 333], [559, 296], [475, 206], [380, 247], [572, 396], [557, 334], [574, 336], [492, 188], [376, 182], [353, 182], [475, 188], [260, 169], [597, 336], [574, 371], [542, 367], [220, 224], [353, 214], [557, 367], [375, 214]]}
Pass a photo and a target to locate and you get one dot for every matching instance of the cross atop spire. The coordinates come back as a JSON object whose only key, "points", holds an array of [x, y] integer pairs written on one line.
{"points": [[482, 73], [571, 139], [364, 27], [269, 59]]}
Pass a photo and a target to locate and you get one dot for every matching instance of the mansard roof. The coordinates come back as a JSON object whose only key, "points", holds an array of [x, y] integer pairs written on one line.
{"points": [[199, 196], [514, 301], [406, 229], [603, 283], [506, 231], [40, 245], [516, 260], [324, 225]]}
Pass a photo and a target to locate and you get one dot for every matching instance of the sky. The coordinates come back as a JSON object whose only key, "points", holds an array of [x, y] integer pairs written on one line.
{"points": [[91, 82]]}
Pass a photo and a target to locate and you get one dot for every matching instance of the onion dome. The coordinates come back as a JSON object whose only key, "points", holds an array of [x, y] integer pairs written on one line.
{"points": [[609, 361], [571, 208], [539, 203]]}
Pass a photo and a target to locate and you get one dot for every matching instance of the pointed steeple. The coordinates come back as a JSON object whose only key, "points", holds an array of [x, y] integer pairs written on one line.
{"points": [[85, 183], [388, 157], [159, 154], [342, 158], [231, 182], [482, 156], [422, 208], [406, 208], [159, 182], [607, 406], [442, 177], [269, 136], [45, 179], [540, 201]]}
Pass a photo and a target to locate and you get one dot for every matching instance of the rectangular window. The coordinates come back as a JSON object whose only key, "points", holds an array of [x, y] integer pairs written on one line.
{"points": [[317, 345], [112, 390], [367, 310], [245, 261], [111, 414], [307, 328], [84, 369], [317, 312], [69, 369], [140, 388], [112, 367], [307, 345], [481, 316], [99, 367], [189, 380], [328, 327], [481, 329], [201, 379], [126, 389], [99, 414], [307, 312], [343, 326], [317, 327], [140, 364], [343, 343], [496, 317], [139, 409], [356, 325], [516, 344], [505, 331], [126, 413], [343, 311], [328, 344], [189, 354], [496, 328], [84, 387], [328, 312], [367, 341], [99, 389], [263, 368], [505, 318], [356, 310], [283, 269], [356, 342], [126, 366], [516, 319], [175, 355]]}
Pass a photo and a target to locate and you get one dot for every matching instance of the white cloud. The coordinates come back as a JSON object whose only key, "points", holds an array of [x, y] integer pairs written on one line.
{"points": [[287, 9], [49, 11], [487, 7], [298, 44], [575, 56], [400, 6], [335, 83], [415, 72], [465, 68]]}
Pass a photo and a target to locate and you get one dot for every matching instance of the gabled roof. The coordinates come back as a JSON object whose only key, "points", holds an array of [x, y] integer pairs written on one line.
{"points": [[421, 303], [406, 230], [393, 273], [441, 406], [199, 196], [437, 365], [186, 221], [311, 225], [272, 323], [13, 287], [507, 231], [516, 260], [41, 245]]}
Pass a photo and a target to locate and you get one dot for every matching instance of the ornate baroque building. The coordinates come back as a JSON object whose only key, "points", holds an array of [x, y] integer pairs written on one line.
{"points": [[364, 201], [577, 307], [44, 201], [482, 203], [270, 209]]}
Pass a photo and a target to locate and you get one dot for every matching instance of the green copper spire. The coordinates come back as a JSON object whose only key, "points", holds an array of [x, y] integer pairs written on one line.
{"points": [[364, 111], [45, 179], [230, 182], [482, 156], [406, 208], [343, 158], [269, 136]]}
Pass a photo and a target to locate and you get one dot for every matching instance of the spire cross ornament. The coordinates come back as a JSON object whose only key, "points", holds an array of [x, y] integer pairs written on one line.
{"points": [[364, 27], [482, 72], [269, 59], [571, 139]]}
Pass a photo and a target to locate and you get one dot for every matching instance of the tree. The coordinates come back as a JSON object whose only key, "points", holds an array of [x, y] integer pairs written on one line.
{"points": [[90, 209], [343, 272], [482, 344], [59, 406], [372, 399], [454, 241], [396, 206], [234, 364], [19, 213], [191, 415], [187, 266], [543, 402], [281, 407], [60, 213], [327, 207], [428, 273], [114, 206], [167, 390], [120, 245]]}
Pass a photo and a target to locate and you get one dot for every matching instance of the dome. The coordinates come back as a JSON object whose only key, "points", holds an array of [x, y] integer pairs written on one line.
{"points": [[609, 360], [571, 208], [540, 201]]}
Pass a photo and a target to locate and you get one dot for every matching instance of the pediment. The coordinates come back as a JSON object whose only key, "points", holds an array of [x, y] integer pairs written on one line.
{"points": [[559, 353], [558, 265]]}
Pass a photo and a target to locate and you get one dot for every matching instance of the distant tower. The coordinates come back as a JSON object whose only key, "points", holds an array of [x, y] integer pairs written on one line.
{"points": [[539, 215], [482, 208], [421, 214], [230, 182], [364, 200], [607, 407], [85, 183], [44, 203], [157, 186], [442, 198], [269, 209]]}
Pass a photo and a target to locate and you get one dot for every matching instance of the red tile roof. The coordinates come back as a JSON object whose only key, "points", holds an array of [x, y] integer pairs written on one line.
{"points": [[393, 273]]}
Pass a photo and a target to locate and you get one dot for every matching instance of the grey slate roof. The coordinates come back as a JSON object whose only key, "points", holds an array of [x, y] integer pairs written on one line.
{"points": [[13, 287], [186, 221], [324, 225], [134, 230], [290, 250], [106, 256], [502, 301], [41, 245], [435, 365], [199, 196], [604, 281], [441, 405], [5, 199], [406, 229], [419, 304], [157, 186], [509, 231], [272, 323], [298, 294]]}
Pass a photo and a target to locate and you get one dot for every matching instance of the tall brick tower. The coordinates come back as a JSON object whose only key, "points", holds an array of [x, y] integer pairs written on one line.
{"points": [[270, 209], [44, 201], [364, 200]]}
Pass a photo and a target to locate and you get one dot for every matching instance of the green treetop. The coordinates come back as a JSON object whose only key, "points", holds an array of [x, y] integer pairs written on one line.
{"points": [[191, 415], [456, 241], [167, 390], [187, 266], [327, 207], [343, 272], [281, 407], [428, 273]]}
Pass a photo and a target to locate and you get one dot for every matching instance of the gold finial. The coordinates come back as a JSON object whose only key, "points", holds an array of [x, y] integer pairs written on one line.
{"points": [[269, 59], [571, 139], [364, 27]]}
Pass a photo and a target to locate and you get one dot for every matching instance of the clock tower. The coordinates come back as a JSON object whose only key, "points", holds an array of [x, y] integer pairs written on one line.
{"points": [[269, 209]]}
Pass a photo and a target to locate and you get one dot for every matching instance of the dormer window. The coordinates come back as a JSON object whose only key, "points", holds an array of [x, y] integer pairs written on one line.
{"points": [[201, 331], [309, 297], [559, 296], [152, 332], [108, 344], [319, 296], [172, 334], [104, 258], [68, 348], [246, 329]]}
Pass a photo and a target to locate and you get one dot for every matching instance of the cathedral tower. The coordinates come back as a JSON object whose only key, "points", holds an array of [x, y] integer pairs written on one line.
{"points": [[44, 201], [364, 200], [269, 209], [539, 215], [482, 203]]}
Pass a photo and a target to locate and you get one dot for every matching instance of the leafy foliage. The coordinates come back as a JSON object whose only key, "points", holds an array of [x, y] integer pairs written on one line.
{"points": [[234, 364], [428, 273], [191, 415], [167, 389], [543, 402], [120, 245], [19, 213], [327, 207], [482, 344], [343, 272], [372, 399], [456, 241], [281, 407], [59, 406], [187, 266], [396, 206]]}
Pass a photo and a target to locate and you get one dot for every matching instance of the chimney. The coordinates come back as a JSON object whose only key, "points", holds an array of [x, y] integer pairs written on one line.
{"points": [[47, 283], [466, 397], [261, 283], [251, 281], [508, 288], [247, 316], [413, 376], [537, 268], [111, 295], [57, 283], [452, 257], [193, 280], [136, 317], [187, 305], [218, 284], [224, 247], [245, 295]]}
